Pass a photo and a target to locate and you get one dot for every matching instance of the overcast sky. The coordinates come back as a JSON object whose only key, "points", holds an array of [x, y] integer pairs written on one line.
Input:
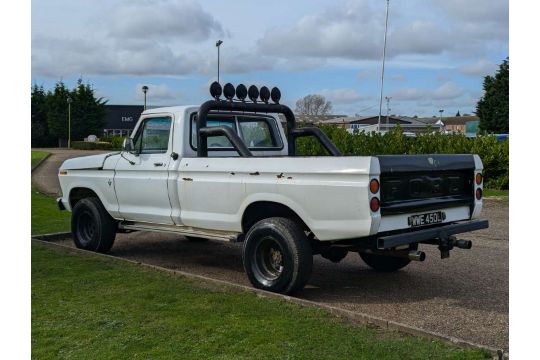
{"points": [[438, 51]]}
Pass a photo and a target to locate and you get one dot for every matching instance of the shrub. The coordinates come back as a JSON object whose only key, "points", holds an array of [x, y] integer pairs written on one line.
{"points": [[86, 145], [115, 140], [494, 153]]}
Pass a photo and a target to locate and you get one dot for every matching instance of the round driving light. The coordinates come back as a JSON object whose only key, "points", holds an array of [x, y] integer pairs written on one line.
{"points": [[478, 179], [241, 92], [253, 93], [215, 90], [228, 91], [478, 194], [275, 94], [264, 94], [374, 186], [374, 204]]}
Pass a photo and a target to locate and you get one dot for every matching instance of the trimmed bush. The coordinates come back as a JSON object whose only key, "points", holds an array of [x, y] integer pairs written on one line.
{"points": [[494, 153], [116, 141], [86, 145]]}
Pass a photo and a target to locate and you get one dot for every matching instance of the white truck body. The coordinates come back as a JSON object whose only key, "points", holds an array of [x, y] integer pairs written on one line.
{"points": [[245, 183], [329, 194]]}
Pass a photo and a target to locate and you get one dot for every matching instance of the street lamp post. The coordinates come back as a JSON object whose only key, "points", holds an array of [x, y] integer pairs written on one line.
{"points": [[440, 116], [387, 110], [218, 44], [69, 100], [145, 90], [383, 60]]}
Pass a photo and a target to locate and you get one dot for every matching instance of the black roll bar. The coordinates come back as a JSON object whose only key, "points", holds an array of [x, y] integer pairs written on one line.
{"points": [[203, 132], [320, 135]]}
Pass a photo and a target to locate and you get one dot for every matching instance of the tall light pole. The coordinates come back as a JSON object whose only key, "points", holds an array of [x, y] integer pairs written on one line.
{"points": [[387, 110], [145, 90], [69, 100], [218, 44], [383, 60], [440, 116]]}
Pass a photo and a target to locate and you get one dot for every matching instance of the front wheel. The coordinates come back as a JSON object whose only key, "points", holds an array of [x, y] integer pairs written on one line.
{"points": [[92, 227], [277, 256]]}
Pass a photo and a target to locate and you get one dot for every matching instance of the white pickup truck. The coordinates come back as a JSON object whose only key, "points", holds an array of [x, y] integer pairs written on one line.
{"points": [[227, 170]]}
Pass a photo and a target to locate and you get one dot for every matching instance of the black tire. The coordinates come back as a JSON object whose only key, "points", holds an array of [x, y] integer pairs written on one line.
{"points": [[195, 239], [382, 263], [92, 227], [277, 256]]}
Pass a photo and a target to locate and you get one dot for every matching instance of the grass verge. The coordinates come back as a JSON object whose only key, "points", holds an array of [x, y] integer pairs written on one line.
{"points": [[89, 306], [46, 218], [492, 192], [37, 156]]}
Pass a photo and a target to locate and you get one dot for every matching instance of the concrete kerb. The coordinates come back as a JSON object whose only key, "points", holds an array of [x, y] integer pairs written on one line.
{"points": [[40, 162], [356, 317]]}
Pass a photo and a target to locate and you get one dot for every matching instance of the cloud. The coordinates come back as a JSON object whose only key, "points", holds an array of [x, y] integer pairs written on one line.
{"points": [[338, 32], [156, 92], [343, 96], [479, 68], [163, 20], [447, 91]]}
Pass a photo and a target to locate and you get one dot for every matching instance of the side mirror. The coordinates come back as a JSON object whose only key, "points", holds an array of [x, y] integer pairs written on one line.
{"points": [[127, 145]]}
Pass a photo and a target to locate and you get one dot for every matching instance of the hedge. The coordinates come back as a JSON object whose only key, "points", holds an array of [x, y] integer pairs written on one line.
{"points": [[115, 140], [86, 145], [494, 153]]}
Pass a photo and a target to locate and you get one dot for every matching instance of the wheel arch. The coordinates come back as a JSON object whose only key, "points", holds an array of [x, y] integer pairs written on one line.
{"points": [[262, 209], [78, 193]]}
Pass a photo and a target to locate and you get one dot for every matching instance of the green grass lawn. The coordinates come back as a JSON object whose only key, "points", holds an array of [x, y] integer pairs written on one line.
{"points": [[37, 156], [46, 218], [90, 307], [491, 192]]}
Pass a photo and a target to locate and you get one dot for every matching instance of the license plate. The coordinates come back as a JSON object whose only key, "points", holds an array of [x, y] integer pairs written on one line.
{"points": [[427, 218]]}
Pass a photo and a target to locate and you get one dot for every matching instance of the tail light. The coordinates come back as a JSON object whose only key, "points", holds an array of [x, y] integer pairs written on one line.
{"points": [[374, 204], [478, 194], [374, 186], [479, 179]]}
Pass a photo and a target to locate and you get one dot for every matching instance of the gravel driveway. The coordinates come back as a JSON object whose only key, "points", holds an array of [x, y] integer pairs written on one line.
{"points": [[465, 296]]}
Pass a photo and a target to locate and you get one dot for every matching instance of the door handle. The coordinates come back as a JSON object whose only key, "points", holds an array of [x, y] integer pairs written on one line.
{"points": [[158, 164]]}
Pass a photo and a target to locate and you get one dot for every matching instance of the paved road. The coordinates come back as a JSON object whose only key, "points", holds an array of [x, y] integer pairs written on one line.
{"points": [[465, 296], [45, 177]]}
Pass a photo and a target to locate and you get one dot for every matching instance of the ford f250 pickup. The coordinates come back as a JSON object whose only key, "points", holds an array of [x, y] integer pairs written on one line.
{"points": [[227, 170]]}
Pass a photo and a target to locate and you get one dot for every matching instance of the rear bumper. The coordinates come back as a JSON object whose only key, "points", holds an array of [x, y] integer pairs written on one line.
{"points": [[439, 232]]}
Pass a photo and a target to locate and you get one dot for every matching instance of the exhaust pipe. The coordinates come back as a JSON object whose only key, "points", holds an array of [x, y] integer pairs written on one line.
{"points": [[417, 255], [463, 244]]}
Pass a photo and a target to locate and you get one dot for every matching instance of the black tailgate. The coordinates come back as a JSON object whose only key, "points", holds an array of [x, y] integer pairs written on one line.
{"points": [[412, 183]]}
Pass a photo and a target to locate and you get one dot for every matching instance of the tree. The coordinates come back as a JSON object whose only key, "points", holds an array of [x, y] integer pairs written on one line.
{"points": [[492, 108], [87, 112], [313, 105], [458, 114], [57, 111], [40, 129]]}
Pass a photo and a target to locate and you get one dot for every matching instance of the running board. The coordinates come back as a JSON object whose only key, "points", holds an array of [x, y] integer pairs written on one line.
{"points": [[231, 236]]}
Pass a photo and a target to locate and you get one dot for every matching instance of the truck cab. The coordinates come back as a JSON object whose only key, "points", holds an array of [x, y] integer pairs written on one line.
{"points": [[228, 170]]}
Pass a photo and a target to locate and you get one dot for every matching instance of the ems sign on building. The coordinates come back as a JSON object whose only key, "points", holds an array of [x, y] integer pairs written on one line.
{"points": [[121, 119]]}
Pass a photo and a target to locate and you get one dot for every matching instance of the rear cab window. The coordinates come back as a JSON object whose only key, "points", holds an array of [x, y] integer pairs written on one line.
{"points": [[257, 132]]}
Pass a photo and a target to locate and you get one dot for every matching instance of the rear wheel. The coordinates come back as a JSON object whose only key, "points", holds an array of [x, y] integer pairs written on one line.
{"points": [[277, 256], [383, 263], [92, 227]]}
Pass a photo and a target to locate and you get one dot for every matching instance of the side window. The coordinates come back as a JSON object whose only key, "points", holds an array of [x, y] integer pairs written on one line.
{"points": [[153, 136], [257, 133], [214, 141]]}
